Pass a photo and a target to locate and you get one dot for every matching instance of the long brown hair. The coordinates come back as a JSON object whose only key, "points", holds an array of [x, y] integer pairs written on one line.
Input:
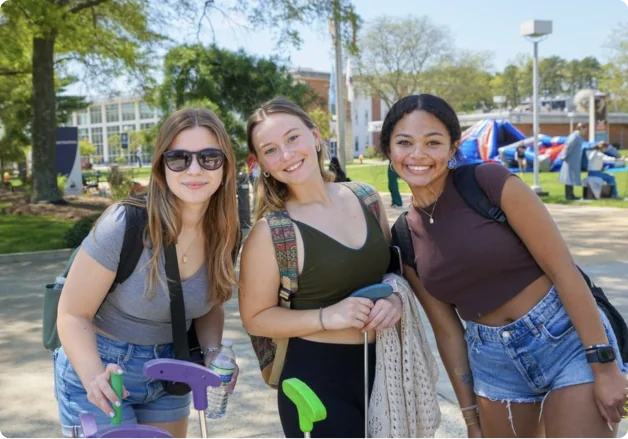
{"points": [[272, 194], [221, 220]]}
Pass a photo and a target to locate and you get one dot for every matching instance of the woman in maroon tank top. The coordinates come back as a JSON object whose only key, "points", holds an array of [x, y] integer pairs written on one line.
{"points": [[536, 356]]}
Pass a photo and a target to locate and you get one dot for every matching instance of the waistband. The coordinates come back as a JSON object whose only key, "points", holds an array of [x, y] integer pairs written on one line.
{"points": [[544, 310], [111, 346]]}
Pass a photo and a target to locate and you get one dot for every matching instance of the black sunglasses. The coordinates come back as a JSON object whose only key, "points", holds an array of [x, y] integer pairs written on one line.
{"points": [[178, 160]]}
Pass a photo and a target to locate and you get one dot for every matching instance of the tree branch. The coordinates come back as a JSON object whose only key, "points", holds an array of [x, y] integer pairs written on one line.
{"points": [[88, 4], [13, 72]]}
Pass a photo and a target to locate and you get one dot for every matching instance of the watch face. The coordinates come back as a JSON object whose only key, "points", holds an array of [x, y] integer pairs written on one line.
{"points": [[606, 354]]}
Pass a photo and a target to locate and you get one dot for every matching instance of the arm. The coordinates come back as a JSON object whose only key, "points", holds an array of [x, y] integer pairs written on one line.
{"points": [[532, 222], [209, 327], [259, 286], [452, 346], [77, 307]]}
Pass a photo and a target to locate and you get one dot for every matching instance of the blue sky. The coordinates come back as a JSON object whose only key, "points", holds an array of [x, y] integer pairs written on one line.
{"points": [[580, 28]]}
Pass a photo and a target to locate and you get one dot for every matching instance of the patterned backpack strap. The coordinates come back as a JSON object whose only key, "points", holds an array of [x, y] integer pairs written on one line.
{"points": [[285, 243], [367, 194]]}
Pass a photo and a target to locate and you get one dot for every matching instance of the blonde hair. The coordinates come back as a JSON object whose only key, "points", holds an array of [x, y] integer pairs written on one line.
{"points": [[272, 194], [221, 216]]}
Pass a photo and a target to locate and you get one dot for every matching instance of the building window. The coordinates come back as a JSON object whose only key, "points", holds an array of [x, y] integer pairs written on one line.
{"points": [[112, 113], [366, 141], [83, 134], [97, 140], [113, 142], [128, 111], [146, 112], [146, 126], [366, 116], [128, 128], [83, 118], [95, 114], [357, 145]]}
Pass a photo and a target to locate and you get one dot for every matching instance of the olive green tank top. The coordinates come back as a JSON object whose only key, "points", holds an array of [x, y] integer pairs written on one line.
{"points": [[332, 271]]}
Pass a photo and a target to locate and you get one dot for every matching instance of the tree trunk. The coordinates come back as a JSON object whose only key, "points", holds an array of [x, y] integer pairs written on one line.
{"points": [[44, 121]]}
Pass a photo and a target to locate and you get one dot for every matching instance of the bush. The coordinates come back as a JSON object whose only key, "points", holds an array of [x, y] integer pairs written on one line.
{"points": [[373, 153], [122, 160], [79, 231], [120, 183]]}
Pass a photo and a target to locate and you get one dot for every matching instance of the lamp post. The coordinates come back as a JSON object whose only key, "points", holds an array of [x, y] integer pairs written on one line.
{"points": [[536, 31], [570, 115]]}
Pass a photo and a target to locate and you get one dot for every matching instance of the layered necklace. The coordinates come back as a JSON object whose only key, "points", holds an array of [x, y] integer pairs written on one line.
{"points": [[431, 215]]}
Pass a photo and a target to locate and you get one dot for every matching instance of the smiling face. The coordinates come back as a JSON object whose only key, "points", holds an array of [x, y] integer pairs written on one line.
{"points": [[420, 148], [286, 148], [194, 185]]}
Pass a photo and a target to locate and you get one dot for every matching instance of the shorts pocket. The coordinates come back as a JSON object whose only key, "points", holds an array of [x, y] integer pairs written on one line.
{"points": [[559, 327]]}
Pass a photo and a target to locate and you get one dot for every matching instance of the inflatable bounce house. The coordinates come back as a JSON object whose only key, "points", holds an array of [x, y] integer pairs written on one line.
{"points": [[496, 140]]}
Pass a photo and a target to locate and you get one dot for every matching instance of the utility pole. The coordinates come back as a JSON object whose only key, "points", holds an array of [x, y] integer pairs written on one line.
{"points": [[340, 94]]}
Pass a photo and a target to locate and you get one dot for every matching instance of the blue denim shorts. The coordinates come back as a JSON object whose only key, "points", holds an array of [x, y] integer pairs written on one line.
{"points": [[147, 402], [525, 360]]}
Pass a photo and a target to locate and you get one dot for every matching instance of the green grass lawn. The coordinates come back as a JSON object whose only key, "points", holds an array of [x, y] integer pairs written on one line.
{"points": [[377, 177], [27, 233]]}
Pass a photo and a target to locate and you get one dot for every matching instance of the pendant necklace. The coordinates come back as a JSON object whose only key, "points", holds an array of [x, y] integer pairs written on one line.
{"points": [[431, 215], [184, 258]]}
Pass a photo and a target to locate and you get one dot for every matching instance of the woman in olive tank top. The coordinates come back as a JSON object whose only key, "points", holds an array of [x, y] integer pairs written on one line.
{"points": [[341, 247]]}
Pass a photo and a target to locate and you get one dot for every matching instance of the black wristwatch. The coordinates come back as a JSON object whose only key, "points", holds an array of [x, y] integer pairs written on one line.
{"points": [[600, 353]]}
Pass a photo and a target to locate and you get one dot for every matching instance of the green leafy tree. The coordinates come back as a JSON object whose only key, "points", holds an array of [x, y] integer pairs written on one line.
{"points": [[512, 85], [552, 76], [87, 148], [615, 77], [232, 84], [321, 119], [113, 38], [462, 80], [396, 53]]}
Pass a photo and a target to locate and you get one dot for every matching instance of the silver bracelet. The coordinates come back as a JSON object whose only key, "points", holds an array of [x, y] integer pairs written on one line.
{"points": [[210, 349]]}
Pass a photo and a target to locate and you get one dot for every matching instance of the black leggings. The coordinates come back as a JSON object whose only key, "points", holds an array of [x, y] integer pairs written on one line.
{"points": [[335, 372]]}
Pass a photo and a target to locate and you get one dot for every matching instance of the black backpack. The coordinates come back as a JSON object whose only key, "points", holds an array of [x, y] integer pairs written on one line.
{"points": [[469, 189]]}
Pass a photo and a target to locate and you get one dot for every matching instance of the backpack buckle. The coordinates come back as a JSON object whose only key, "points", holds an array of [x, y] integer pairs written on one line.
{"points": [[497, 214], [285, 294]]}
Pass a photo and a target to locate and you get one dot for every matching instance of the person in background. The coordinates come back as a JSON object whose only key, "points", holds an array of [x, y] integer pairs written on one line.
{"points": [[336, 169], [393, 187], [572, 161], [521, 158], [596, 159]]}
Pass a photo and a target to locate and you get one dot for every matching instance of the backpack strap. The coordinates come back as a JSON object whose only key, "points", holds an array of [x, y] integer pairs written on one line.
{"points": [[470, 190], [367, 194], [402, 238], [133, 244], [284, 240]]}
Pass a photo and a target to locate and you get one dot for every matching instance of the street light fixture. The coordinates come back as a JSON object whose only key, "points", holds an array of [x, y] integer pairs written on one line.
{"points": [[536, 31]]}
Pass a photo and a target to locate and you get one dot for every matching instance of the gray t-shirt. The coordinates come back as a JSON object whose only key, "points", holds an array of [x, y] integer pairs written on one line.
{"points": [[125, 313]]}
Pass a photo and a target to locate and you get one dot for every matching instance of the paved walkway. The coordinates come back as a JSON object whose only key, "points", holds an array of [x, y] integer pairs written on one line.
{"points": [[598, 238]]}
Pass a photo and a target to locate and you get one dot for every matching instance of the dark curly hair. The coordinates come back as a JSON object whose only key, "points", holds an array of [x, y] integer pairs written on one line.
{"points": [[423, 102]]}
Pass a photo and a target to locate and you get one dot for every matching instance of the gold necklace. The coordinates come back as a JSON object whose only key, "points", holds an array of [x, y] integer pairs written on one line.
{"points": [[433, 207], [184, 258]]}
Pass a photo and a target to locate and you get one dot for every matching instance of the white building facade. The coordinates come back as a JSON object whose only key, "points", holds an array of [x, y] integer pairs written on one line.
{"points": [[105, 119]]}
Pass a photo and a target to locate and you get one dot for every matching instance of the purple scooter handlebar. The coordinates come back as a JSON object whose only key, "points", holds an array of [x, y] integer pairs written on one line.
{"points": [[194, 375]]}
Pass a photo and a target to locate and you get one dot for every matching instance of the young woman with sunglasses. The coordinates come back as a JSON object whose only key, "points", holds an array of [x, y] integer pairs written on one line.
{"points": [[191, 200]]}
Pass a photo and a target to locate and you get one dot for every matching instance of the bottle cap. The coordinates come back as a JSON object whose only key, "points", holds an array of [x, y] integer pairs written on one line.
{"points": [[227, 343]]}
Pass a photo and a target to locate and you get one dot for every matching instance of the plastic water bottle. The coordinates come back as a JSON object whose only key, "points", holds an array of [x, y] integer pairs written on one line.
{"points": [[222, 365], [59, 282]]}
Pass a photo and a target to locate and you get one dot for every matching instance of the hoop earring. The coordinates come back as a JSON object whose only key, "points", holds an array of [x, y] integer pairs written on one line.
{"points": [[391, 168], [452, 163], [318, 147], [266, 174]]}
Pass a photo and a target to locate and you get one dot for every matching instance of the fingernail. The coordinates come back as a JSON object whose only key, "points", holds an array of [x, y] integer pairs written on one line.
{"points": [[117, 403], [119, 372], [111, 414], [609, 426]]}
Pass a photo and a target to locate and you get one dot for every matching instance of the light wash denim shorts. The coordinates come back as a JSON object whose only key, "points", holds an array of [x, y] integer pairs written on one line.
{"points": [[525, 360], [147, 402]]}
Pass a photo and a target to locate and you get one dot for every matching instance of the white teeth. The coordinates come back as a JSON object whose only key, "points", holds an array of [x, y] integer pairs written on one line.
{"points": [[418, 168], [292, 168]]}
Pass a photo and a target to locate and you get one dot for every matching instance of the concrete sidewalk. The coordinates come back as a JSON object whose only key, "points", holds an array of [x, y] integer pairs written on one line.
{"points": [[598, 238]]}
